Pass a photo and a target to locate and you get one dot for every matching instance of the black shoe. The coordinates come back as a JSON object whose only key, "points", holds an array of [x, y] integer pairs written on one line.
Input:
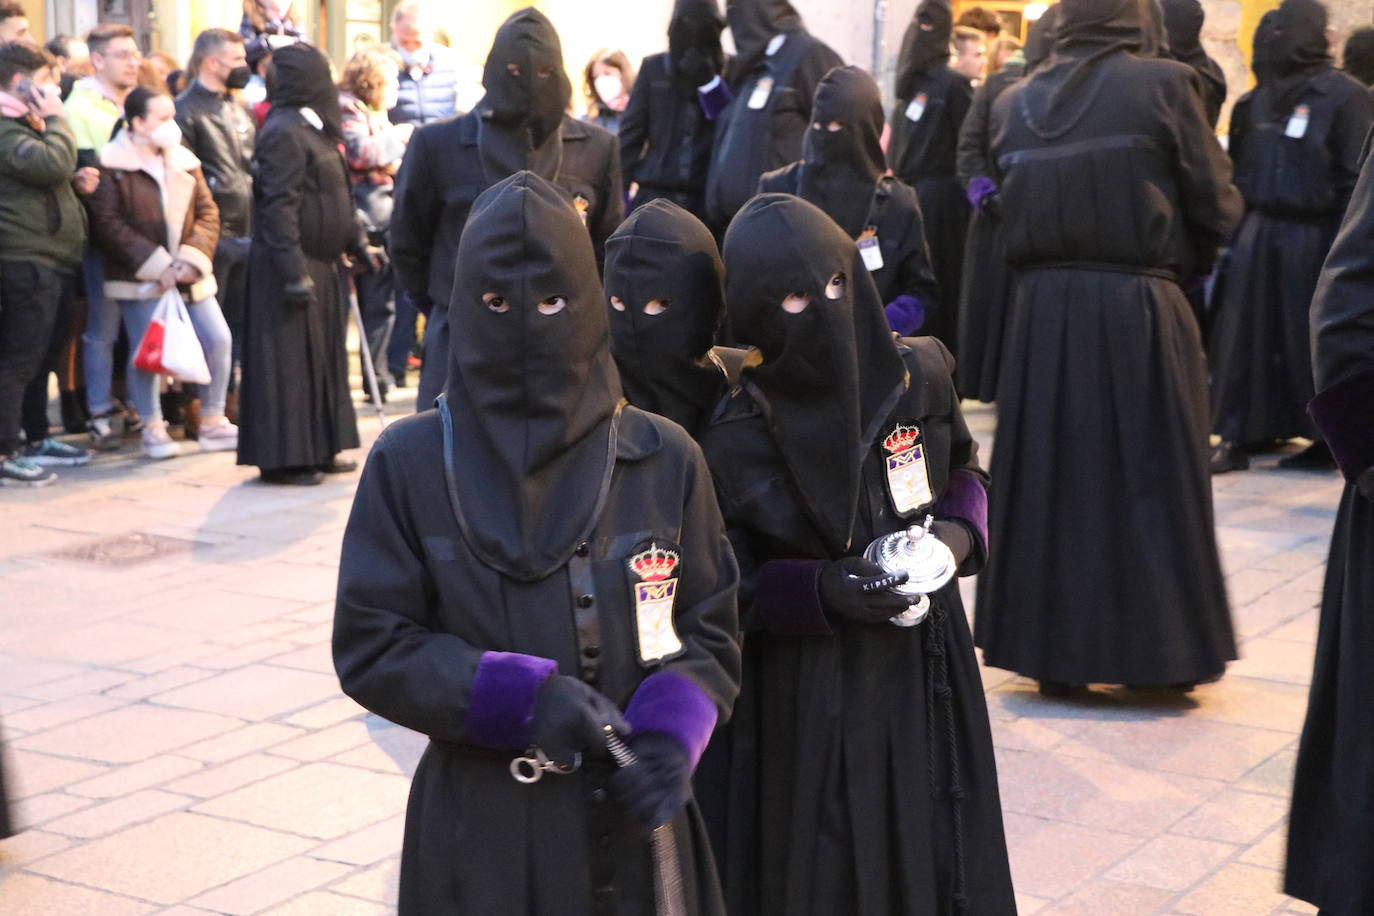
{"points": [[1058, 690], [293, 477], [337, 466], [1316, 457], [1229, 456], [74, 414]]}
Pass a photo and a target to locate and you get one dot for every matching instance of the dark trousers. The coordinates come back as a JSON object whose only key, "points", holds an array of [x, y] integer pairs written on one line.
{"points": [[402, 338], [376, 291], [434, 372], [35, 407], [30, 296], [231, 276]]}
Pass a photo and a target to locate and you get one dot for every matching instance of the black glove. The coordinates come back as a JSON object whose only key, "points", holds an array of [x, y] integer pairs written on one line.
{"points": [[654, 788], [299, 292], [571, 717], [697, 67], [859, 589], [956, 537]]}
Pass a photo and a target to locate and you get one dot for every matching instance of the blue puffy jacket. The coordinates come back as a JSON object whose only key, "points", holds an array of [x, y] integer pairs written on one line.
{"points": [[428, 92]]}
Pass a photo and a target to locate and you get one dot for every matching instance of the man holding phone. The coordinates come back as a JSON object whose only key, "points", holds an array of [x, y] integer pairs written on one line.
{"points": [[42, 230]]}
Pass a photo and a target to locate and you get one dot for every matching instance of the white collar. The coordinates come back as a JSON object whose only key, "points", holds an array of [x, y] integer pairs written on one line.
{"points": [[311, 118]]}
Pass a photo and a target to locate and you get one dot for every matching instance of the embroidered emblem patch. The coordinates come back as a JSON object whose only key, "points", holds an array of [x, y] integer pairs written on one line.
{"points": [[908, 478], [653, 577]]}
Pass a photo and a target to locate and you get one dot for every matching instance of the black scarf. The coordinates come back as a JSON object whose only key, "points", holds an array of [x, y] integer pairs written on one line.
{"points": [[664, 255], [1057, 96], [532, 398], [1299, 50], [753, 23], [1358, 59], [527, 91], [694, 31], [841, 168], [299, 77], [826, 377], [924, 45]]}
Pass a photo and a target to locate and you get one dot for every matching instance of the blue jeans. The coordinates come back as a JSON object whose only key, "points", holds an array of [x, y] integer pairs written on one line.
{"points": [[213, 332], [98, 340]]}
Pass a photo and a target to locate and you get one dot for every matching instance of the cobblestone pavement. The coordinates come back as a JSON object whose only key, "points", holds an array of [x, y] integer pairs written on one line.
{"points": [[179, 745]]}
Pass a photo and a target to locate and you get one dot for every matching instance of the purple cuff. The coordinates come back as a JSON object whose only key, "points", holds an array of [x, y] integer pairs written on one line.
{"points": [[715, 100], [980, 189], [788, 598], [967, 500], [1345, 417], [905, 315], [504, 689], [673, 705]]}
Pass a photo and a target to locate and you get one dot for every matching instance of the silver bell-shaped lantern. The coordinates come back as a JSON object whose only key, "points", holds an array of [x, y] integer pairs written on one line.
{"points": [[927, 561]]}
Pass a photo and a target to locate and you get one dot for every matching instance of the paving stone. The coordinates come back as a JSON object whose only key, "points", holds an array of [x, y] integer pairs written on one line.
{"points": [[380, 883], [1275, 660], [366, 846], [25, 847], [244, 655], [1257, 703], [339, 709], [141, 688], [1171, 863], [1196, 747], [31, 773], [334, 904], [130, 734], [173, 858], [323, 800], [28, 895], [1274, 776], [1049, 858], [60, 712], [317, 657], [106, 643], [1234, 817], [1269, 852], [269, 887], [326, 743], [126, 779], [36, 810], [1237, 890], [227, 777], [242, 741], [1105, 896], [117, 814], [256, 692], [94, 680]]}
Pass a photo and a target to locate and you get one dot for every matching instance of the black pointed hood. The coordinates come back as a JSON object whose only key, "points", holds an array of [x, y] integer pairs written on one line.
{"points": [[753, 23], [1262, 48], [924, 45], [1300, 42], [826, 377], [694, 29], [1040, 39], [527, 92], [666, 281], [299, 77], [841, 168], [1358, 58], [1183, 19], [533, 393]]}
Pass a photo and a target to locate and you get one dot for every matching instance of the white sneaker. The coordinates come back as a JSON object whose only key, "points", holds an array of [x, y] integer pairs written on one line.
{"points": [[219, 435], [156, 443]]}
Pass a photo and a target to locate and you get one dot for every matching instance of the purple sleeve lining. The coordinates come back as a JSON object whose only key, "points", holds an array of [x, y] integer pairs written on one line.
{"points": [[979, 189], [1343, 414], [715, 100], [501, 708], [673, 705], [966, 499], [787, 598], [905, 315]]}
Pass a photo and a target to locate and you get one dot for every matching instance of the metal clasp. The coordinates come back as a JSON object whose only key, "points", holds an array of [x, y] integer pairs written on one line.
{"points": [[531, 768]]}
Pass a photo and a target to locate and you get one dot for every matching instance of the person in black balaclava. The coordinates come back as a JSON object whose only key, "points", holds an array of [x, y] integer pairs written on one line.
{"points": [[1303, 138], [858, 775], [932, 100], [669, 126], [524, 567], [986, 287], [1358, 57], [1261, 64], [296, 411], [665, 284], [1104, 565], [1183, 24], [1330, 859], [521, 123], [844, 172], [773, 76]]}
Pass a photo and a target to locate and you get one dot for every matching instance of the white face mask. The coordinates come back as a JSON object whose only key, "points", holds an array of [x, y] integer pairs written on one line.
{"points": [[166, 135], [608, 87]]}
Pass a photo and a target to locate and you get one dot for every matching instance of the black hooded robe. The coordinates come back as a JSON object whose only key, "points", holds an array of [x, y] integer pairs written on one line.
{"points": [[1330, 856], [666, 132], [932, 101], [444, 171], [846, 180], [497, 536], [296, 409], [1104, 564], [830, 791], [8, 827], [763, 127], [1183, 20], [1296, 188]]}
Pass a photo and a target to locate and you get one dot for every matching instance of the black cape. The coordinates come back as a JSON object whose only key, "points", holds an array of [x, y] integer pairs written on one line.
{"points": [[296, 408], [1104, 563], [1296, 188], [444, 563], [1330, 858], [829, 791], [932, 101]]}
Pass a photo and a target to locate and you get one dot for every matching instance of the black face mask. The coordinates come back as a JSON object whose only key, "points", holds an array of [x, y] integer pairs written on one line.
{"points": [[827, 376], [299, 77], [925, 44], [1183, 21], [532, 393], [694, 44], [238, 77], [666, 284], [527, 91], [841, 167], [753, 23], [1299, 41]]}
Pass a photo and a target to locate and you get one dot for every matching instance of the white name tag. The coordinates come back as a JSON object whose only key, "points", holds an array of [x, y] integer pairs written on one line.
{"points": [[870, 250], [917, 107], [1297, 124], [762, 90]]}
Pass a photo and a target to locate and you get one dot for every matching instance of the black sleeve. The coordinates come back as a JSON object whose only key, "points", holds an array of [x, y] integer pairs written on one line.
{"points": [[634, 127], [1210, 202], [972, 156], [280, 178], [415, 217], [1345, 143], [915, 273], [610, 202], [958, 102]]}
